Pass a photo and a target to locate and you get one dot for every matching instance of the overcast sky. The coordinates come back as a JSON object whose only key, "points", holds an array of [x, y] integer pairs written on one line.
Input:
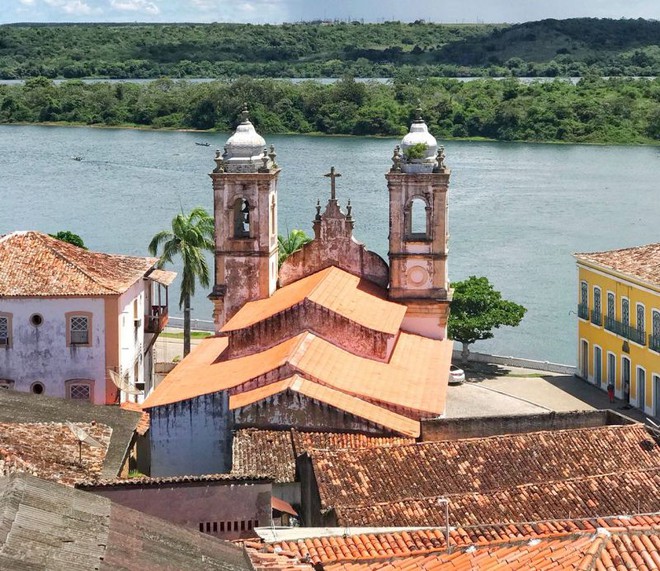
{"points": [[277, 11]]}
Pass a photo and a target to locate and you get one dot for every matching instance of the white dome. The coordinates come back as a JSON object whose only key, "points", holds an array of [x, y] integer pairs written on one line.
{"points": [[419, 134], [245, 148]]}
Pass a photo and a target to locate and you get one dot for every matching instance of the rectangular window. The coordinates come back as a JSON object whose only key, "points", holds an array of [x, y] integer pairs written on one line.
{"points": [[596, 313], [641, 322], [584, 293], [610, 305], [625, 311], [79, 330], [4, 331], [80, 392], [611, 368]]}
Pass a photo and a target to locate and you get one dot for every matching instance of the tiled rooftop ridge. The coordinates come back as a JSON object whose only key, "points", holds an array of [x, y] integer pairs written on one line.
{"points": [[641, 262], [582, 497], [480, 464], [34, 264], [409, 544]]}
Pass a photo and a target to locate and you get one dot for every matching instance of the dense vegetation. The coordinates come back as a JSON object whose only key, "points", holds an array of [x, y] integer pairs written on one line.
{"points": [[595, 110], [547, 48]]}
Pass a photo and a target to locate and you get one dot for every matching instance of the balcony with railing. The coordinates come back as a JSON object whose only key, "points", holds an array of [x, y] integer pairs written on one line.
{"points": [[583, 311], [654, 342], [596, 317], [625, 330], [156, 320]]}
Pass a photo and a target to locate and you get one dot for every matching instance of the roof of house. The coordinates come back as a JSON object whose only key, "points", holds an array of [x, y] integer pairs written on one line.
{"points": [[44, 525], [585, 496], [641, 262], [359, 545], [50, 451], [274, 451], [33, 264], [478, 465], [603, 550], [410, 380], [144, 481], [356, 299], [20, 407], [163, 277]]}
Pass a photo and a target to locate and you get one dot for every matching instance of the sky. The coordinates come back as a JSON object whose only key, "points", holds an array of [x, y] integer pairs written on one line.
{"points": [[278, 11]]}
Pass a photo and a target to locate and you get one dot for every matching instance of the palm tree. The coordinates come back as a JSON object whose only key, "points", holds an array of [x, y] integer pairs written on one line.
{"points": [[293, 242], [191, 235]]}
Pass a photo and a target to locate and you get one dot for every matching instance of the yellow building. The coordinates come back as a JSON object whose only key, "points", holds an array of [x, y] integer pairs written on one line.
{"points": [[619, 323]]}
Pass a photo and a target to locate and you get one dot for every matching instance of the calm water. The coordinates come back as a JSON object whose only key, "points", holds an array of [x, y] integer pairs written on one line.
{"points": [[517, 211]]}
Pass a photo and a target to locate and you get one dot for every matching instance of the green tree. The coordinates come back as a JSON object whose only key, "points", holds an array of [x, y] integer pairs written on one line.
{"points": [[191, 236], [290, 244], [476, 309], [70, 237]]}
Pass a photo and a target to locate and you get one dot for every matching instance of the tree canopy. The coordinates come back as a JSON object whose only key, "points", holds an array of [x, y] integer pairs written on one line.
{"points": [[191, 236], [476, 309], [70, 237], [290, 244]]}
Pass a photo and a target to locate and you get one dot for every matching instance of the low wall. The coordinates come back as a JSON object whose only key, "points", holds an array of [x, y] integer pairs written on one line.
{"points": [[478, 427], [517, 362]]}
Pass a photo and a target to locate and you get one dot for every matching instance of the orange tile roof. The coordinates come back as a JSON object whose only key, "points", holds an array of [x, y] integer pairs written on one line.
{"points": [[641, 262], [334, 398], [304, 441], [143, 425], [345, 294], [356, 546], [411, 380], [33, 264], [163, 277]]}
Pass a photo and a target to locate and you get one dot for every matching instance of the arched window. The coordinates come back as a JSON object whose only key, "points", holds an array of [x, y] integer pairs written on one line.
{"points": [[417, 220], [241, 218]]}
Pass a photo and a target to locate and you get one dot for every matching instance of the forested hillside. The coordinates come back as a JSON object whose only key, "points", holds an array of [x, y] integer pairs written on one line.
{"points": [[595, 110], [547, 48]]}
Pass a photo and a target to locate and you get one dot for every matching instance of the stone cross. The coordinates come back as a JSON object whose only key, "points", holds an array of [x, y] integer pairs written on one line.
{"points": [[332, 175]]}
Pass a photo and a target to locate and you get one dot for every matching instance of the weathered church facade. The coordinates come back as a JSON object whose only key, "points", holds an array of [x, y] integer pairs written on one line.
{"points": [[336, 338]]}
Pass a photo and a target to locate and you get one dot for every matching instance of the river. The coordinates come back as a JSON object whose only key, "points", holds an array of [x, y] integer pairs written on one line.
{"points": [[517, 211]]}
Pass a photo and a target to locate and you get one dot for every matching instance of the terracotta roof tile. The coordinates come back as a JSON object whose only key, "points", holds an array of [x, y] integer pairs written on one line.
{"points": [[143, 425], [592, 496], [33, 264], [416, 364], [163, 277], [50, 451], [479, 465], [265, 451], [336, 290], [274, 451], [360, 546], [641, 262]]}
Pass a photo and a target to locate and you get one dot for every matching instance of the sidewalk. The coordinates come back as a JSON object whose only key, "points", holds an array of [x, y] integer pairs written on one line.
{"points": [[495, 389]]}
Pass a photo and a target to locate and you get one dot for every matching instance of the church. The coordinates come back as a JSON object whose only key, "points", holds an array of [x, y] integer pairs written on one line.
{"points": [[336, 339]]}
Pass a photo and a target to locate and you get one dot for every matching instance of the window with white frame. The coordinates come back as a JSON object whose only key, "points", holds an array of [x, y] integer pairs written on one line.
{"points": [[625, 311], [79, 330], [656, 323], [80, 389], [5, 330], [641, 322], [584, 294], [610, 305], [597, 307]]}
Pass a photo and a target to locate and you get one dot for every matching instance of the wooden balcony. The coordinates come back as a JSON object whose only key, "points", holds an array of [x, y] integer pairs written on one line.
{"points": [[156, 321]]}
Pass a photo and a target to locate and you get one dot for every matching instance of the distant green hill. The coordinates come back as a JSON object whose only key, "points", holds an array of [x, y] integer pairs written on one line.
{"points": [[544, 48]]}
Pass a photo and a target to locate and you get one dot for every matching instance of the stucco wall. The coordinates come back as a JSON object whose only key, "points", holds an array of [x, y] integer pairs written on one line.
{"points": [[454, 429], [292, 409], [40, 353], [131, 338], [191, 437], [307, 316], [223, 505]]}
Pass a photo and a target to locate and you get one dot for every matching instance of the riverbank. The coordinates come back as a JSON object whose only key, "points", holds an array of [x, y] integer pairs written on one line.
{"points": [[595, 111]]}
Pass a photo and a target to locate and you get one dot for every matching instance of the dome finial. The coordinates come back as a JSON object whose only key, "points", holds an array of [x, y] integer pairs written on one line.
{"points": [[418, 112], [245, 114]]}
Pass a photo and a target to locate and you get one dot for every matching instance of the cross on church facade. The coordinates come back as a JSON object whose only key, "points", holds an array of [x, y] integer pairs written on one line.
{"points": [[332, 175]]}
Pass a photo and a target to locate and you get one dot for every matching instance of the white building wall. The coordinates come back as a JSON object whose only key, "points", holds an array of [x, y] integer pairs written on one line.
{"points": [[131, 338], [40, 353]]}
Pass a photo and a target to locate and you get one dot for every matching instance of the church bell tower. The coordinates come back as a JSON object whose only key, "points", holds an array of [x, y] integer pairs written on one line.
{"points": [[245, 209], [418, 182]]}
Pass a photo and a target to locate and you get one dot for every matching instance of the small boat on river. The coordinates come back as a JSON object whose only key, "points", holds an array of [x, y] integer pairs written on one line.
{"points": [[203, 144]]}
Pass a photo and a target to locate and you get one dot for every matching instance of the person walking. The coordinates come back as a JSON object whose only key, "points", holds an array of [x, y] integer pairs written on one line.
{"points": [[610, 392]]}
